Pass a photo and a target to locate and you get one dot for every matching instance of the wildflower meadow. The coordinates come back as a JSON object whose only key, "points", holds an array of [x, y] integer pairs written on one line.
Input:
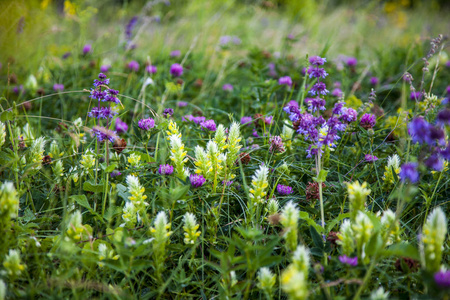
{"points": [[201, 149]]}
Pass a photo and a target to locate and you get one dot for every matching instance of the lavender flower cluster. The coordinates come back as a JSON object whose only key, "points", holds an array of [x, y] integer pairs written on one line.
{"points": [[310, 123]]}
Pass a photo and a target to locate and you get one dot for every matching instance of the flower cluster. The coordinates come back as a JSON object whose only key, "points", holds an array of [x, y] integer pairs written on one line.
{"points": [[289, 220], [190, 228], [320, 132], [284, 190], [294, 277], [259, 185]]}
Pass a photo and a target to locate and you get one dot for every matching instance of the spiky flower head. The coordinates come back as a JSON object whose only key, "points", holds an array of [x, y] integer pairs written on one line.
{"points": [[259, 185], [2, 134], [294, 283], [75, 227], [161, 229], [289, 220], [88, 160], [58, 170], [301, 259], [433, 237], [393, 163], [129, 214], [36, 153], [233, 145], [390, 227], [13, 263], [190, 228], [362, 230], [379, 294], [346, 238], [266, 280], [357, 195], [220, 138], [9, 201], [137, 192], [178, 156], [272, 207]]}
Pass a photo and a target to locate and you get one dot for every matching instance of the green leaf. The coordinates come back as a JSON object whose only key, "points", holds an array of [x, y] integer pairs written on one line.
{"points": [[89, 186], [81, 200], [311, 222], [6, 116], [122, 191], [337, 220], [317, 239], [110, 168], [402, 249]]}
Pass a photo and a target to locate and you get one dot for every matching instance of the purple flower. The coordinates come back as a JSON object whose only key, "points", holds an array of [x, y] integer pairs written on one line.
{"points": [[337, 92], [87, 48], [370, 158], [175, 53], [367, 121], [351, 61], [182, 104], [255, 133], [245, 120], [58, 87], [102, 113], [209, 125], [448, 89], [197, 180], [276, 145], [165, 169], [319, 88], [286, 80], [101, 133], [111, 96], [19, 89], [317, 72], [268, 120], [103, 80], [146, 124], [417, 96], [409, 172], [374, 81], [292, 103], [121, 127], [442, 279], [66, 55], [349, 115], [423, 132], [351, 261], [176, 70], [443, 117], [151, 69], [227, 87], [129, 28], [435, 163], [105, 68], [228, 182], [115, 174], [168, 112], [284, 190], [317, 60], [133, 66], [315, 104]]}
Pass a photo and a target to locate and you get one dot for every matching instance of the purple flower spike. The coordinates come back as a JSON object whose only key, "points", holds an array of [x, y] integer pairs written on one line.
{"points": [[276, 145], [197, 180], [284, 190], [443, 117], [165, 169], [351, 261], [317, 72], [87, 48], [319, 88], [121, 126], [151, 69], [146, 124], [419, 130], [227, 87], [286, 80], [209, 125], [370, 158], [442, 279], [317, 60], [409, 172], [176, 70], [435, 163], [133, 66], [337, 92]]}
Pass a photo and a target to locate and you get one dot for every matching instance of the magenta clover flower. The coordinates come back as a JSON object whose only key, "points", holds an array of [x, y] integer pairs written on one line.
{"points": [[370, 158], [197, 180], [227, 87], [209, 125], [442, 279], [121, 126], [133, 66], [87, 48], [286, 80], [351, 261], [146, 124], [246, 120], [284, 190], [151, 69], [176, 70], [165, 169], [58, 87]]}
